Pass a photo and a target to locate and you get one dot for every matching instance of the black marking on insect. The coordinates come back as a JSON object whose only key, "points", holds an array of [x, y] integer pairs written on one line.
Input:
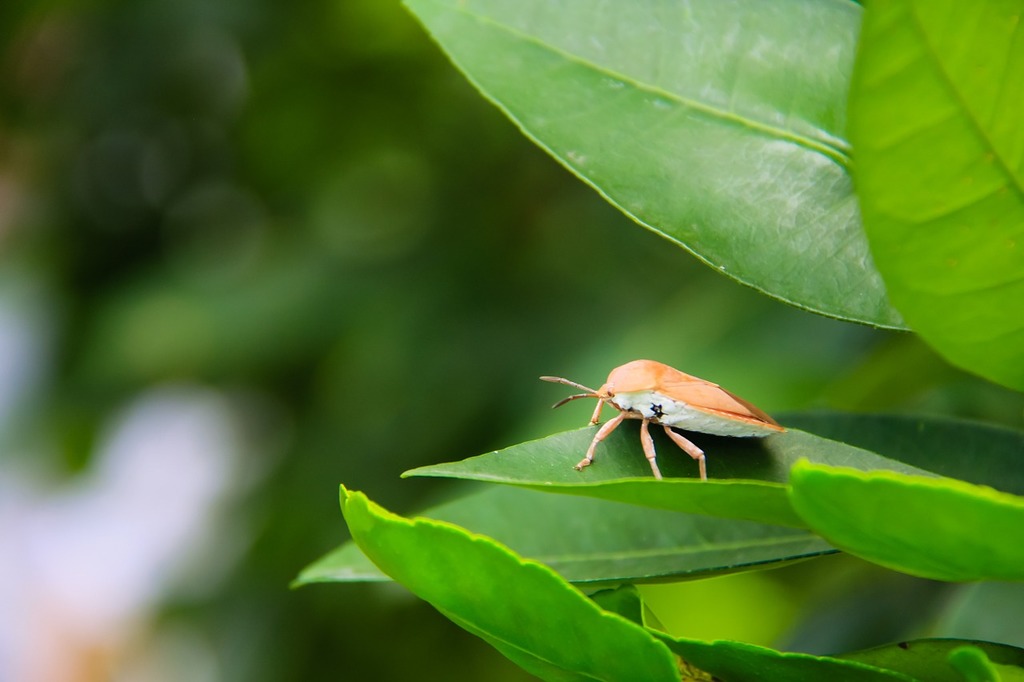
{"points": [[656, 411]]}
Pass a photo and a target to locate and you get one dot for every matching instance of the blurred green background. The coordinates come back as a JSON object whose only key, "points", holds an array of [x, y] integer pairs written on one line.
{"points": [[298, 221]]}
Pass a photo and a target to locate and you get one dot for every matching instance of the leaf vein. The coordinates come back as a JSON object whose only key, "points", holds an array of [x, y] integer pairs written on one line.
{"points": [[838, 154]]}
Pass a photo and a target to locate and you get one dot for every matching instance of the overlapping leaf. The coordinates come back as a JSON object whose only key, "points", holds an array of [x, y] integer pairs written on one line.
{"points": [[719, 125], [747, 476], [539, 621], [935, 118], [595, 541], [934, 528], [520, 607], [970, 451]]}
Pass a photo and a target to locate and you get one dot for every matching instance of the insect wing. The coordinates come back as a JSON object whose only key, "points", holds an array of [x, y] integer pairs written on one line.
{"points": [[713, 399]]}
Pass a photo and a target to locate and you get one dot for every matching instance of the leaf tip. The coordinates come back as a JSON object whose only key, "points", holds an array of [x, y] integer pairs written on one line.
{"points": [[418, 471], [351, 498]]}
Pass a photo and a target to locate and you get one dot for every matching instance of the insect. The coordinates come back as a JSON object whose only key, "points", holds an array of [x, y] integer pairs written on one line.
{"points": [[658, 394]]}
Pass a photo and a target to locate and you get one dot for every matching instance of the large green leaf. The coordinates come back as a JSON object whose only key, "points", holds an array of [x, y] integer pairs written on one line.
{"points": [[595, 541], [747, 476], [928, 659], [535, 618], [935, 119], [934, 528], [719, 125], [967, 450], [522, 608]]}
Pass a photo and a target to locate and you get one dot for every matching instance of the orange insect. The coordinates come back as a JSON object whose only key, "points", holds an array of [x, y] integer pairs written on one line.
{"points": [[658, 394]]}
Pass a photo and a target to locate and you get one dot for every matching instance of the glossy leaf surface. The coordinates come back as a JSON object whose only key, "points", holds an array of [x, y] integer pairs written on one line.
{"points": [[595, 541], [970, 451], [747, 476], [934, 528], [521, 607], [935, 118], [719, 125]]}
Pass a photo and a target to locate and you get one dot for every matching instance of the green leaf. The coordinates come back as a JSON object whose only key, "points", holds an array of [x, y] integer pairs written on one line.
{"points": [[967, 450], [933, 528], [739, 662], [928, 659], [935, 113], [520, 607], [595, 541], [747, 476], [717, 125]]}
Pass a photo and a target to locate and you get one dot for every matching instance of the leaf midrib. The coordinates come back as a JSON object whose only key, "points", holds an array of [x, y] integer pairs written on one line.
{"points": [[837, 154], [472, 626], [666, 552], [933, 56]]}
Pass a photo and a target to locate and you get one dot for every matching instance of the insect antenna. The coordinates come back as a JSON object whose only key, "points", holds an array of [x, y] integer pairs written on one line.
{"points": [[590, 393], [566, 382], [563, 401]]}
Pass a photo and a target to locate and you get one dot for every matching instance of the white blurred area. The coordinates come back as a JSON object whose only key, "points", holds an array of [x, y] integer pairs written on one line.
{"points": [[85, 563]]}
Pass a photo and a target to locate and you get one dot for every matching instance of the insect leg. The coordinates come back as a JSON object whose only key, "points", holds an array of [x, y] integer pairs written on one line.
{"points": [[691, 449], [601, 435], [597, 411], [648, 443]]}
